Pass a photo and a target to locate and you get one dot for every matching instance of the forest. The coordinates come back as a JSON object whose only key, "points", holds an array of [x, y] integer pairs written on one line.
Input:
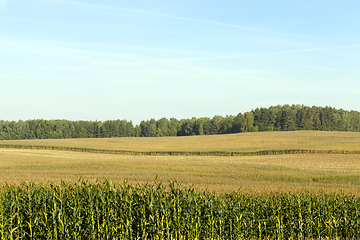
{"points": [[275, 118]]}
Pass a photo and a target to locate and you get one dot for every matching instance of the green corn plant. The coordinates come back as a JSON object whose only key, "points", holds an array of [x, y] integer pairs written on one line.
{"points": [[103, 210]]}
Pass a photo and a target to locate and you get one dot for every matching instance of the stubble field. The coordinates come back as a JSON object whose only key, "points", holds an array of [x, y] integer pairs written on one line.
{"points": [[284, 172], [243, 142]]}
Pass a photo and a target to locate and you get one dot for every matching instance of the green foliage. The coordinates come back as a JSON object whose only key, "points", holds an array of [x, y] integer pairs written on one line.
{"points": [[103, 210], [275, 118]]}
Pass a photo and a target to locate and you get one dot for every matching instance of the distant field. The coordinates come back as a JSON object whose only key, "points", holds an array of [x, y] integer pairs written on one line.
{"points": [[242, 142], [292, 172], [329, 172]]}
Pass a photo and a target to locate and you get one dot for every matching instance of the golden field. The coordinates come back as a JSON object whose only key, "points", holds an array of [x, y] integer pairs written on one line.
{"points": [[242, 142], [291, 172]]}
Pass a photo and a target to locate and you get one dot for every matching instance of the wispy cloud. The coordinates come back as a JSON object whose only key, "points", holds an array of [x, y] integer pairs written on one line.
{"points": [[157, 14], [94, 49], [108, 7], [302, 50], [259, 54], [63, 50], [325, 68], [134, 54], [215, 23]]}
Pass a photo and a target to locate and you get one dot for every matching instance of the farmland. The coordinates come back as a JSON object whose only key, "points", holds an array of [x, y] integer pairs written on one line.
{"points": [[330, 172], [236, 186], [245, 142], [103, 210]]}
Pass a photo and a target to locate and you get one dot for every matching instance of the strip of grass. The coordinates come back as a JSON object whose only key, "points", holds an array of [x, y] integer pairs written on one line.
{"points": [[186, 153]]}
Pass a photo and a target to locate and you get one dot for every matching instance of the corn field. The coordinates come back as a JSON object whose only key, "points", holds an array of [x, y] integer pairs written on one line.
{"points": [[103, 210]]}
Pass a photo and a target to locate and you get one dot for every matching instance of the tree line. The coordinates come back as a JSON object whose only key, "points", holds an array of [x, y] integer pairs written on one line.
{"points": [[275, 118]]}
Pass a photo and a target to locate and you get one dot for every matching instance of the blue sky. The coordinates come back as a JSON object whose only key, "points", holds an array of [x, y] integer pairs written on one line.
{"points": [[136, 60]]}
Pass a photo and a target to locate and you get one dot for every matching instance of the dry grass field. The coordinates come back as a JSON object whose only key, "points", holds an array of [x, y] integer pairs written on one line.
{"points": [[243, 142], [292, 172]]}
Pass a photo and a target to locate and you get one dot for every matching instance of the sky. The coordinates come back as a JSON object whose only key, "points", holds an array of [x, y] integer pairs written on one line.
{"points": [[136, 60]]}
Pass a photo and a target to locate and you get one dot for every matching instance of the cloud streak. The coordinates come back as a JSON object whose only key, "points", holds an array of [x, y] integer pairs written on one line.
{"points": [[133, 54], [90, 49], [229, 56], [108, 8], [325, 68], [157, 14]]}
